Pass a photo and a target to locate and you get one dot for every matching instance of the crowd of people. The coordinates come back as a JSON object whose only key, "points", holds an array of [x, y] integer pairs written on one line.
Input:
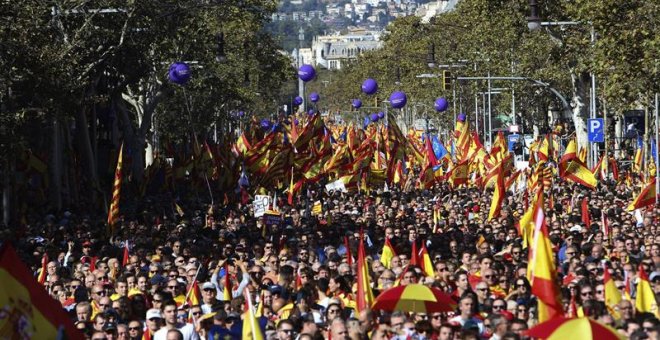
{"points": [[300, 275]]}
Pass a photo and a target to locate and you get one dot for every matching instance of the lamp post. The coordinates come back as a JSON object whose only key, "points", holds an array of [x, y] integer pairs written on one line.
{"points": [[301, 84], [534, 23]]}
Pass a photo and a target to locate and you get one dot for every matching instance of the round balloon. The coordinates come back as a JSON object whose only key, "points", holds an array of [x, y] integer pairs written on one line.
{"points": [[297, 101], [381, 114], [357, 103], [369, 86], [179, 73], [265, 124], [310, 112], [306, 72], [398, 99], [441, 104], [373, 117], [241, 113], [461, 117], [314, 97], [295, 121]]}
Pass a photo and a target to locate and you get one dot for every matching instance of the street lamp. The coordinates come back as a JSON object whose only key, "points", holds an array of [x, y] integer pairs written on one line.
{"points": [[301, 84], [534, 23]]}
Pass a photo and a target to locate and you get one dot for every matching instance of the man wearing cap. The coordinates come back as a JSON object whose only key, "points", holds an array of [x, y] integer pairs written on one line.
{"points": [[110, 330], [154, 320], [209, 301], [170, 317]]}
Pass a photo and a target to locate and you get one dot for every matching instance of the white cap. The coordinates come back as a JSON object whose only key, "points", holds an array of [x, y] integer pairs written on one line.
{"points": [[154, 313]]}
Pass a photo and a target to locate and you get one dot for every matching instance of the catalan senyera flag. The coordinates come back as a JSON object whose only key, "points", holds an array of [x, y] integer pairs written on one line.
{"points": [[645, 299], [365, 296], [44, 269], [113, 214], [251, 328], [645, 198], [543, 282], [426, 263], [612, 294], [28, 311], [291, 190], [387, 254]]}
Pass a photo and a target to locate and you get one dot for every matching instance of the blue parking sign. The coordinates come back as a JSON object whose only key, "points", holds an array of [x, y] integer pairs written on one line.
{"points": [[595, 128]]}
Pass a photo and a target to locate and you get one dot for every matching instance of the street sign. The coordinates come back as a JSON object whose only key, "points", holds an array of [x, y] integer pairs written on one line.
{"points": [[512, 139], [596, 131]]}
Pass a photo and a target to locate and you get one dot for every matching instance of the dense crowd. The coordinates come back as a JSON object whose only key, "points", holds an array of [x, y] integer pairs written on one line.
{"points": [[302, 282]]}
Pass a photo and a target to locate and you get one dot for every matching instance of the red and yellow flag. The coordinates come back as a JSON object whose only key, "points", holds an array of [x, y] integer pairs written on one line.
{"points": [[543, 271], [612, 294], [365, 296], [426, 263], [226, 288], [113, 214], [498, 194], [29, 312], [572, 169], [387, 254], [645, 198], [193, 294], [44, 269], [645, 299], [126, 257]]}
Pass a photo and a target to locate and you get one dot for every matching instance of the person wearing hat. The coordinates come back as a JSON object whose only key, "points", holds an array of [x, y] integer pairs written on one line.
{"points": [[154, 320], [210, 302], [110, 330]]}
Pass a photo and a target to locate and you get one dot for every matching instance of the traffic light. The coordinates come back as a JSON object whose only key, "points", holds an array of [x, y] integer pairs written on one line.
{"points": [[446, 80]]}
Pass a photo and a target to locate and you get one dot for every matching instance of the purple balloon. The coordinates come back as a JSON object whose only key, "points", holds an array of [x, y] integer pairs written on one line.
{"points": [[297, 101], [461, 117], [295, 121], [310, 112], [265, 124], [374, 117], [441, 104], [241, 113], [179, 73], [314, 97], [306, 72], [381, 114], [357, 103], [369, 86], [398, 99]]}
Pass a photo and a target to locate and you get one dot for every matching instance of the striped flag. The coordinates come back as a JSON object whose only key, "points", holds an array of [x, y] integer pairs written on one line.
{"points": [[543, 282], [645, 198], [113, 214], [44, 269], [365, 296], [124, 261], [387, 254], [28, 312]]}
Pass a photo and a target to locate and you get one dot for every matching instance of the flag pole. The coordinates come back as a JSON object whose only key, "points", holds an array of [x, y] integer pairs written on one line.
{"points": [[191, 283], [253, 319]]}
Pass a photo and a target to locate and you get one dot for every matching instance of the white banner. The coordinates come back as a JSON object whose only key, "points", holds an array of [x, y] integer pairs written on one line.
{"points": [[260, 205]]}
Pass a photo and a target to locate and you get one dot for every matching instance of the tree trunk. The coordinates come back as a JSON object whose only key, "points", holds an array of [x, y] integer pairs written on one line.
{"points": [[7, 192], [56, 166], [86, 149], [580, 112]]}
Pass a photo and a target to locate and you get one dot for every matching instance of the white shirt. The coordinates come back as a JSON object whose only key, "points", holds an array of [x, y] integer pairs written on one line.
{"points": [[188, 331]]}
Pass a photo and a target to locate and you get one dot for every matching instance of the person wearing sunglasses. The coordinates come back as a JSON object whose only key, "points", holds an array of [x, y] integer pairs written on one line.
{"points": [[135, 330]]}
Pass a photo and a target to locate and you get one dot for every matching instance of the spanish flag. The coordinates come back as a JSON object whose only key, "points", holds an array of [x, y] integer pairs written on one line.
{"points": [[44, 269], [193, 294], [387, 254], [543, 270], [28, 310], [645, 198], [226, 288], [612, 294], [572, 169], [251, 328], [645, 299], [126, 257], [365, 296], [498, 194], [426, 264]]}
